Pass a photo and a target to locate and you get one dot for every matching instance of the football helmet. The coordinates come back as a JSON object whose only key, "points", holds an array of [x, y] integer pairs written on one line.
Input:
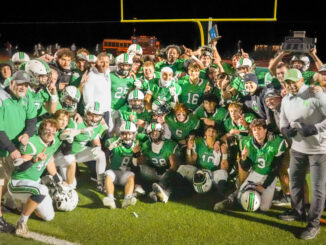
{"points": [[70, 96], [249, 198], [128, 131], [160, 107], [18, 58], [304, 59], [124, 63], [136, 99], [155, 132], [91, 58], [93, 114], [244, 62], [65, 199], [202, 181], [135, 49], [39, 72], [112, 59]]}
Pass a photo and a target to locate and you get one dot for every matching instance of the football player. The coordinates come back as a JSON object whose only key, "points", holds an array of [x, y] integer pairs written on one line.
{"points": [[122, 152], [259, 156]]}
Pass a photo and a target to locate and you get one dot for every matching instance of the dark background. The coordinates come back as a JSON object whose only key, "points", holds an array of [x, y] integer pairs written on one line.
{"points": [[88, 23]]}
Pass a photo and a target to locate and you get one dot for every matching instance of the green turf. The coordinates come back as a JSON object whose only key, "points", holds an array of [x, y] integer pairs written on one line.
{"points": [[186, 221]]}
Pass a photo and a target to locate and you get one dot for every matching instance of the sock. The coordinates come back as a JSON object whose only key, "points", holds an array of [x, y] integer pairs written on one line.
{"points": [[23, 219], [111, 196]]}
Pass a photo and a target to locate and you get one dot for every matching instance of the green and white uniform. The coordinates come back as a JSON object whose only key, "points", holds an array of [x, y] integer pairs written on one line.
{"points": [[177, 67], [76, 77], [192, 94], [181, 130], [163, 93], [261, 161], [119, 89], [125, 112]]}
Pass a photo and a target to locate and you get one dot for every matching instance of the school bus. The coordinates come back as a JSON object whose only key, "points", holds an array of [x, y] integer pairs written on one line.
{"points": [[149, 45]]}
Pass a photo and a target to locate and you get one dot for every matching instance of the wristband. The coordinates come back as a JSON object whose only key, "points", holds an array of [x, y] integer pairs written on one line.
{"points": [[188, 152], [224, 156], [54, 98]]}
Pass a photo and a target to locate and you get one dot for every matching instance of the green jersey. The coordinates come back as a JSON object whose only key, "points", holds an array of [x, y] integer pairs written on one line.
{"points": [[163, 93], [121, 157], [206, 158], [145, 82], [40, 97], [35, 146], [76, 77], [228, 69], [125, 113], [119, 89], [160, 160], [82, 139], [308, 77], [192, 94], [13, 115], [239, 84], [5, 83], [262, 158], [177, 66], [229, 124], [181, 130]]}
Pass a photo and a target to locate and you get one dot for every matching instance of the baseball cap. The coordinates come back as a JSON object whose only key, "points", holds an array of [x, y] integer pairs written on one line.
{"points": [[250, 77], [292, 75], [21, 77], [271, 93]]}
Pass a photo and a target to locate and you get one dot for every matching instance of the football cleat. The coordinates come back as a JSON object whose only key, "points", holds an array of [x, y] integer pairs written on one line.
{"points": [[139, 191], [283, 200], [6, 227], [130, 201], [162, 194], [152, 196], [223, 205], [21, 229], [109, 202]]}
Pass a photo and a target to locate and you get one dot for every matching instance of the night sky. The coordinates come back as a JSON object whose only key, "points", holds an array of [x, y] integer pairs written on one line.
{"points": [[87, 23]]}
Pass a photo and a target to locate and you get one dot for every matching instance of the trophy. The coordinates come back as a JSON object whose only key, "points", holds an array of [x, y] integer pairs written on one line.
{"points": [[298, 43]]}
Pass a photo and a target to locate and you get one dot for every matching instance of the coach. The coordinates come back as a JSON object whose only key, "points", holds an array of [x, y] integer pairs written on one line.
{"points": [[302, 118]]}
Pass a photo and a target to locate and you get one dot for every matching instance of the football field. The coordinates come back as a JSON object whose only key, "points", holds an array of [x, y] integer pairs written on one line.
{"points": [[181, 221]]}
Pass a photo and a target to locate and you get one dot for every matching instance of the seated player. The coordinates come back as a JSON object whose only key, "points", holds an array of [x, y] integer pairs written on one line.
{"points": [[122, 153], [159, 162], [206, 153], [260, 157]]}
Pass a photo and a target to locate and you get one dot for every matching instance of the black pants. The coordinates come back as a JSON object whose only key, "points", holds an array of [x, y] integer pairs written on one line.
{"points": [[299, 164]]}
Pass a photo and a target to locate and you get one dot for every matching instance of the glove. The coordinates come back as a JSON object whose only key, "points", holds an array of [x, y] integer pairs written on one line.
{"points": [[138, 84], [289, 132], [115, 144], [307, 130]]}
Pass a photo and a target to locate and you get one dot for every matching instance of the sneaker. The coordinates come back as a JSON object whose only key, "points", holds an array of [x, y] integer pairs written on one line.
{"points": [[160, 192], [139, 191], [283, 200], [152, 196], [21, 229], [131, 201], [309, 233], [291, 215], [109, 202], [6, 227], [223, 205]]}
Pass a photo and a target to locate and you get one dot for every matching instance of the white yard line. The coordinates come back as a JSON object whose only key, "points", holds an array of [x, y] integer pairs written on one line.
{"points": [[48, 239]]}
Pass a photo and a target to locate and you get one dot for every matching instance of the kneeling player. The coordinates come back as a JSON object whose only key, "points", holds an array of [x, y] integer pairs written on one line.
{"points": [[24, 184], [260, 155], [121, 151]]}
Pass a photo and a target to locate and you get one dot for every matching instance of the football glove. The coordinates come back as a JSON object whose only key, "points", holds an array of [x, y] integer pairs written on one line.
{"points": [[307, 130], [289, 132]]}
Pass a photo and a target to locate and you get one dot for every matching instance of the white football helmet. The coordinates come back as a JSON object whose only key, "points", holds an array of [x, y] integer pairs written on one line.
{"points": [[244, 62], [128, 131], [155, 127], [65, 199], [124, 63], [250, 199], [20, 57], [304, 59], [160, 107], [97, 112], [38, 70], [70, 96], [135, 49], [136, 99], [202, 181], [91, 58]]}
